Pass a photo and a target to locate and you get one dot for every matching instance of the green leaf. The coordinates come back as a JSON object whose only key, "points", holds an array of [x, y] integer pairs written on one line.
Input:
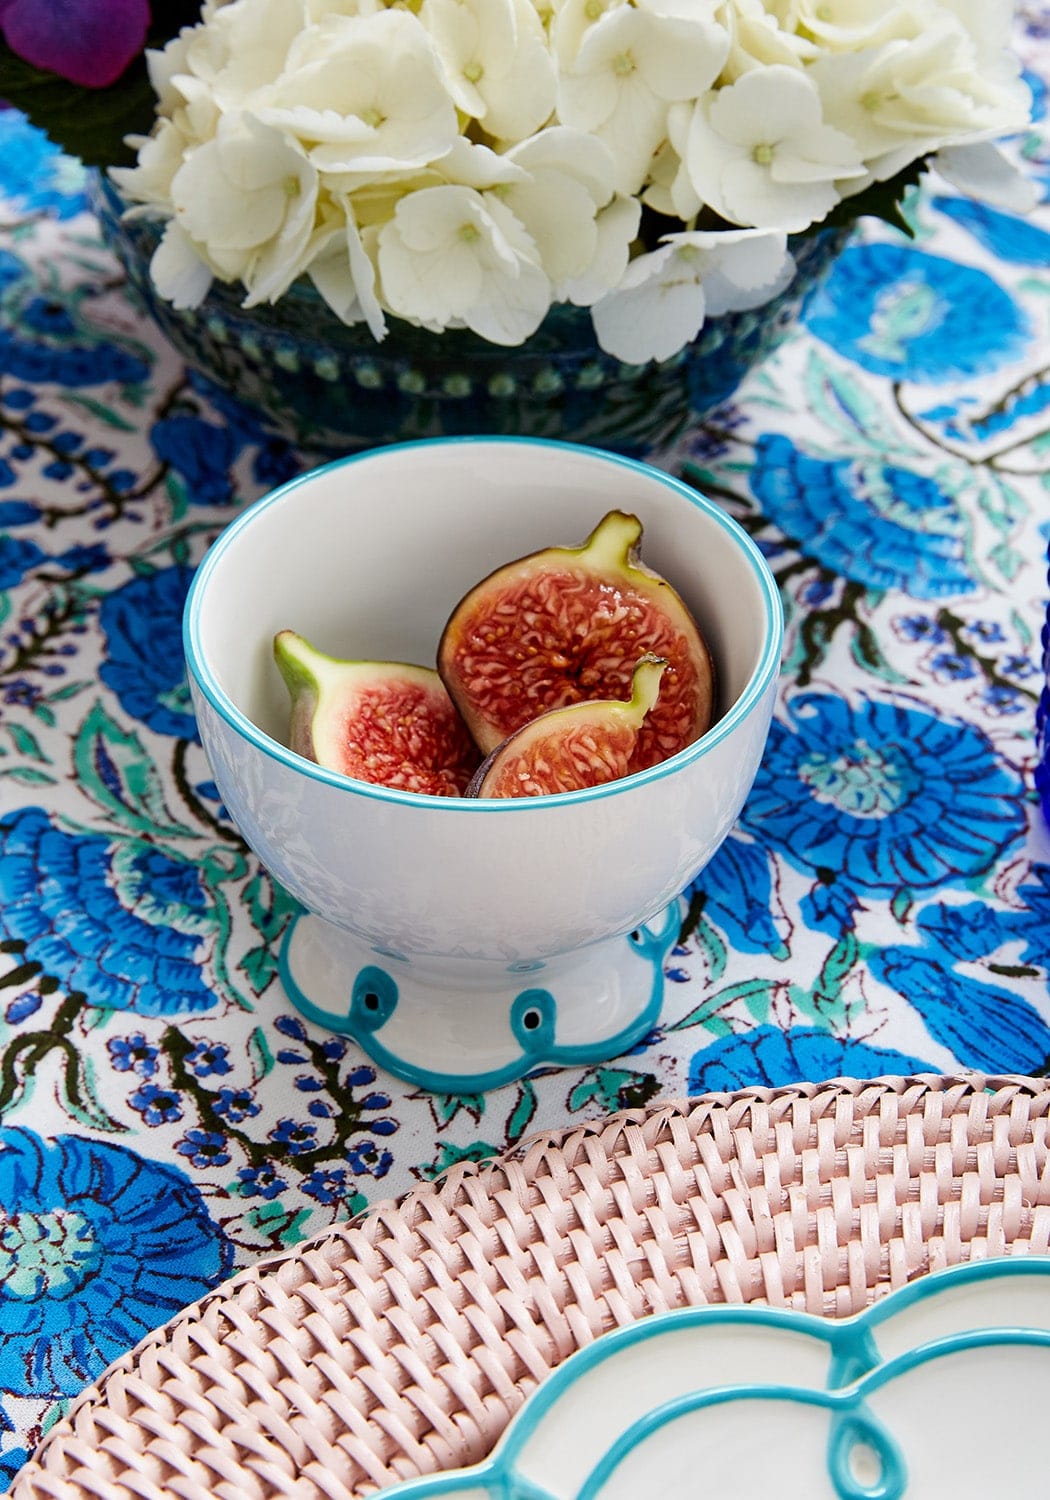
{"points": [[882, 200], [838, 964], [26, 743], [284, 1226], [67, 690], [104, 413], [178, 495], [260, 1054], [445, 1107], [259, 965], [523, 1112], [867, 653], [83, 1100], [757, 995], [1008, 560], [613, 1088], [28, 776], [269, 906], [88, 123], [115, 770], [711, 943], [900, 906], [449, 1155]]}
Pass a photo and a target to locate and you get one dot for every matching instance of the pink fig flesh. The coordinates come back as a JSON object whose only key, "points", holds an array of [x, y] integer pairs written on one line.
{"points": [[388, 723], [566, 749], [568, 624]]}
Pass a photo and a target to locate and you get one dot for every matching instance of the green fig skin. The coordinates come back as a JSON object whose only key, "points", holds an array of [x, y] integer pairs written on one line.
{"points": [[388, 723], [566, 749], [568, 624]]}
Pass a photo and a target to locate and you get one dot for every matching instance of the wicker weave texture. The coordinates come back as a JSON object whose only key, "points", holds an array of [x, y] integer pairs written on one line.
{"points": [[404, 1342]]}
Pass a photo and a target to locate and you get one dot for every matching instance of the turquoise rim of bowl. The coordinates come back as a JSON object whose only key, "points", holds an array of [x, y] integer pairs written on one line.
{"points": [[765, 672]]}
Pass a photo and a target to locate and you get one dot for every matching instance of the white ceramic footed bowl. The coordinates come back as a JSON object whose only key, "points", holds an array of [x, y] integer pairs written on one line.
{"points": [[366, 557]]}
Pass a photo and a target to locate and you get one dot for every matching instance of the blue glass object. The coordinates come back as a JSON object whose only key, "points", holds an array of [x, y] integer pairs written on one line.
{"points": [[1042, 715], [333, 388]]}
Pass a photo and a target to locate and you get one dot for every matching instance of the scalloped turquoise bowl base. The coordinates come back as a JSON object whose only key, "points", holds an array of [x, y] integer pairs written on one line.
{"points": [[457, 1026]]}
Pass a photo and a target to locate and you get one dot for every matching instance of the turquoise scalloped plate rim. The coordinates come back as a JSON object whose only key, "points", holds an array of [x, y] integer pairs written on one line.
{"points": [[856, 1371]]}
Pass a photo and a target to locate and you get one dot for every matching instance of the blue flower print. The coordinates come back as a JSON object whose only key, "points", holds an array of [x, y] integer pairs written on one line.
{"points": [[260, 1182], [985, 1027], [133, 1054], [100, 1246], [368, 1160], [949, 666], [738, 897], [157, 1105], [37, 176], [907, 315], [1016, 241], [974, 930], [882, 796], [326, 1187], [205, 1148], [144, 666], [878, 524], [770, 1057], [20, 557], [235, 1105], [921, 628], [122, 923], [295, 1138], [201, 452], [11, 1460], [208, 1059]]}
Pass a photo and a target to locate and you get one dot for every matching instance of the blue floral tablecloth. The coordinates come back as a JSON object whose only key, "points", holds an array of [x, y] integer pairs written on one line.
{"points": [[883, 905]]}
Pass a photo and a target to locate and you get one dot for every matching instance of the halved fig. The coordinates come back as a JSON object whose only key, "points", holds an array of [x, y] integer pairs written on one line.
{"points": [[389, 723], [564, 749], [568, 624]]}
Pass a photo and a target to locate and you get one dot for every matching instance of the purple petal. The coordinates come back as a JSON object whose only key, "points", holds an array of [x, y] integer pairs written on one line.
{"points": [[90, 42]]}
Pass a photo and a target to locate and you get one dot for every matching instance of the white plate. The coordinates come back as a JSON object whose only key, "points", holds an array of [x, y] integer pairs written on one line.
{"points": [[938, 1390]]}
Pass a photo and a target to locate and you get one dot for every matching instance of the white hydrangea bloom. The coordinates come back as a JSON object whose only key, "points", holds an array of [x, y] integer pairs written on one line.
{"points": [[344, 274], [617, 225], [474, 165], [452, 257], [497, 62], [567, 176], [630, 67], [760, 38], [982, 170], [741, 268], [365, 94], [666, 295], [759, 153], [658, 307], [178, 272], [247, 199], [148, 182], [318, 10], [848, 25], [243, 48], [905, 98], [163, 65]]}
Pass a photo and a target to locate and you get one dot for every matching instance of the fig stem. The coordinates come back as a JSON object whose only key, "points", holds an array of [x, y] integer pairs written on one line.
{"points": [[612, 543], [645, 685]]}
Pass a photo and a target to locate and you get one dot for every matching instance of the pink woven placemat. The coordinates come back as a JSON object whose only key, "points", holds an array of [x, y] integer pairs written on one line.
{"points": [[404, 1342]]}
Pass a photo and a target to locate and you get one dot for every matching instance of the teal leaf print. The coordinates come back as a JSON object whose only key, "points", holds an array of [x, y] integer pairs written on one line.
{"points": [[115, 770]]}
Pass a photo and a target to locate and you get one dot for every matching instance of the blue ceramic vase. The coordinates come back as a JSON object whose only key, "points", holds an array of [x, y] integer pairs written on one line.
{"points": [[332, 388]]}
